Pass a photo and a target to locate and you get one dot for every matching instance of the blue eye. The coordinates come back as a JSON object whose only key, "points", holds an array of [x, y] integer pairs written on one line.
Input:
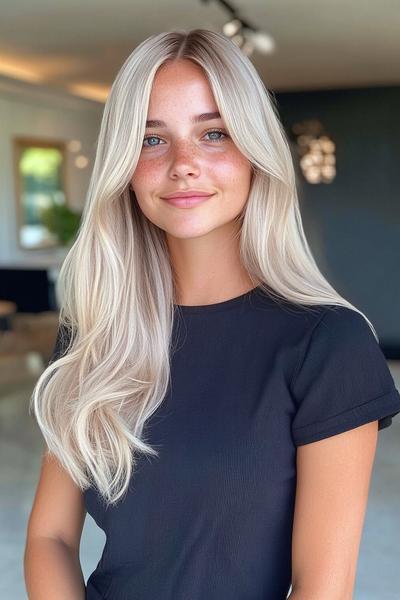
{"points": [[155, 137], [216, 131], [150, 137]]}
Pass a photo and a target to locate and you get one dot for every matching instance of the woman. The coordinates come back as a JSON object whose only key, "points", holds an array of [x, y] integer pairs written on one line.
{"points": [[212, 402]]}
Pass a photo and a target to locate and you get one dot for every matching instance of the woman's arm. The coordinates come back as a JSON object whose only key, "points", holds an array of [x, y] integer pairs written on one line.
{"points": [[51, 559], [333, 478]]}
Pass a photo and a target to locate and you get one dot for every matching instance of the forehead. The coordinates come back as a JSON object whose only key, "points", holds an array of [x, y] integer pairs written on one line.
{"points": [[208, 116], [179, 69], [181, 87]]}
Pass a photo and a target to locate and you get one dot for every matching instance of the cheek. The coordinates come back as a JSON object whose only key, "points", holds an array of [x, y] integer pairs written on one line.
{"points": [[232, 173], [145, 177]]}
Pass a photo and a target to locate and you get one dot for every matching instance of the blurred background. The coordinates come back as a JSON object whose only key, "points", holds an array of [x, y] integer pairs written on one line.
{"points": [[334, 72]]}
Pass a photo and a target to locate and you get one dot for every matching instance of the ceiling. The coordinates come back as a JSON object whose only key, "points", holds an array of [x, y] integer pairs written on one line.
{"points": [[78, 46]]}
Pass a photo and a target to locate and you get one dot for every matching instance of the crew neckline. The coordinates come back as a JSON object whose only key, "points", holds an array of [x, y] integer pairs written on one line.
{"points": [[195, 308]]}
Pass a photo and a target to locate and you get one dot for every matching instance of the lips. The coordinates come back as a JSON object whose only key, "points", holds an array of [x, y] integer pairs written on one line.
{"points": [[188, 201], [187, 194]]}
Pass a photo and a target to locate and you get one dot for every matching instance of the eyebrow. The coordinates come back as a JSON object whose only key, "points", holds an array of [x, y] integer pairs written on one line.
{"points": [[196, 119]]}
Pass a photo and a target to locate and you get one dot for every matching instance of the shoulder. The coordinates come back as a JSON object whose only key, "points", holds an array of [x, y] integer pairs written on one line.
{"points": [[287, 314], [343, 318], [338, 334], [305, 324], [342, 326], [301, 324]]}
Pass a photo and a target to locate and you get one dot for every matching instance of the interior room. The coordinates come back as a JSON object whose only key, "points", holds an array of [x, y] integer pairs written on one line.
{"points": [[332, 70]]}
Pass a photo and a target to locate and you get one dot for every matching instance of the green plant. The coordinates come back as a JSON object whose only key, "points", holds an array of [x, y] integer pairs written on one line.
{"points": [[61, 221]]}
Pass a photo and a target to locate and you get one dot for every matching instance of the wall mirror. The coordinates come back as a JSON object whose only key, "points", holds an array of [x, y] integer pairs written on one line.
{"points": [[40, 189]]}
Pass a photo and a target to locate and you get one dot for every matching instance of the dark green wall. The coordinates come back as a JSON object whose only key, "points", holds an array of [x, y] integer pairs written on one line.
{"points": [[353, 224]]}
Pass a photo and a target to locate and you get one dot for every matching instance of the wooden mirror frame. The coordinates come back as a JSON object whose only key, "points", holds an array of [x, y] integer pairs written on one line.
{"points": [[20, 144]]}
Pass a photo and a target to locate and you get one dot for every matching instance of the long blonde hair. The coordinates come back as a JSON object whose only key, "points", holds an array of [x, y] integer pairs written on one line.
{"points": [[116, 288]]}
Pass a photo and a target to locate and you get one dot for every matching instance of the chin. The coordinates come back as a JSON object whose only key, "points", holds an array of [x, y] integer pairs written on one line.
{"points": [[187, 233]]}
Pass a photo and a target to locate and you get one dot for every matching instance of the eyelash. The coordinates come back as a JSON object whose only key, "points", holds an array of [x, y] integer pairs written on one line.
{"points": [[205, 133]]}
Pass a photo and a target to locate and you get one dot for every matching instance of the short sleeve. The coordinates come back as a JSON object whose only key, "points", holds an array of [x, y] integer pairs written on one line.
{"points": [[342, 380]]}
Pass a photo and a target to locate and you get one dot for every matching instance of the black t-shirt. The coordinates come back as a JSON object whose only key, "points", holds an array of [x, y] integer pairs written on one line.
{"points": [[252, 378]]}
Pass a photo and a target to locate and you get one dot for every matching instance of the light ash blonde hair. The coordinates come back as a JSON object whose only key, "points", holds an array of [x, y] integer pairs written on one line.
{"points": [[116, 288]]}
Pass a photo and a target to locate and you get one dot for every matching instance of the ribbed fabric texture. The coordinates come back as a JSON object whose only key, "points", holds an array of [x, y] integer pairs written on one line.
{"points": [[211, 518]]}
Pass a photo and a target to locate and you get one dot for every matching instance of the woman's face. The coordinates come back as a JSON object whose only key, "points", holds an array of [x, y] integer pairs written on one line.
{"points": [[183, 155]]}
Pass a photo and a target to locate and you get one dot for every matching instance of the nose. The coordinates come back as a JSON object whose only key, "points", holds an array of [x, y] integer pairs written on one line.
{"points": [[185, 160]]}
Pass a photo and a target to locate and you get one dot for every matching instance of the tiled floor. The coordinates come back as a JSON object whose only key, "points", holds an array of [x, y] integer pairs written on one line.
{"points": [[20, 449]]}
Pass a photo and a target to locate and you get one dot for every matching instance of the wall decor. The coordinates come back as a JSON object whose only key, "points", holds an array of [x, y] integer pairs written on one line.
{"points": [[40, 185], [316, 151]]}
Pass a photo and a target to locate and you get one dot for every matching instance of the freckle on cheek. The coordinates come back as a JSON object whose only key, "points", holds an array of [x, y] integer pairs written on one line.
{"points": [[145, 169]]}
